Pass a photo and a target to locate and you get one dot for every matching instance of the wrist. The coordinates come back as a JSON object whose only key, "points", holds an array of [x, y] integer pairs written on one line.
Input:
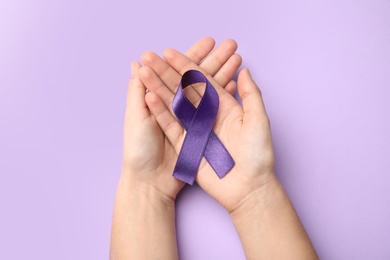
{"points": [[259, 199], [269, 227], [142, 192], [143, 225]]}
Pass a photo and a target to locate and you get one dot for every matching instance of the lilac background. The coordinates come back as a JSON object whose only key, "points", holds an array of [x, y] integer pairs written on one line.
{"points": [[324, 69]]}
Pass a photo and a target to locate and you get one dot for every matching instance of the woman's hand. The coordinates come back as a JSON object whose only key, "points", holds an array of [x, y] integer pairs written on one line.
{"points": [[148, 156], [144, 211], [261, 210]]}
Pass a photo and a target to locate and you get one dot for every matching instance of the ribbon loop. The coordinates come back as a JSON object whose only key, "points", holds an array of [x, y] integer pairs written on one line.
{"points": [[200, 140]]}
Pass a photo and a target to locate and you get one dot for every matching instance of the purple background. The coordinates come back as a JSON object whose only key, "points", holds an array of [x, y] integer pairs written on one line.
{"points": [[324, 69]]}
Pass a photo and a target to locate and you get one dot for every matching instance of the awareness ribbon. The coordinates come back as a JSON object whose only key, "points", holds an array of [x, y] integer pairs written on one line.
{"points": [[200, 140]]}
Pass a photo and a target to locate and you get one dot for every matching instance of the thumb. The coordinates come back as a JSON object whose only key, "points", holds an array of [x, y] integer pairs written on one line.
{"points": [[135, 101], [251, 97]]}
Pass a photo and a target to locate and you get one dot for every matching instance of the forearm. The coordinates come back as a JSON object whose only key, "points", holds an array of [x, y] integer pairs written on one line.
{"points": [[269, 227], [143, 223]]}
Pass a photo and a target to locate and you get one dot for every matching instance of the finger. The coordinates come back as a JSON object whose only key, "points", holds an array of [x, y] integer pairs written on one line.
{"points": [[231, 87], [180, 63], [200, 50], [167, 74], [250, 94], [219, 56], [196, 53], [153, 82], [227, 103], [135, 100], [165, 119], [227, 71]]}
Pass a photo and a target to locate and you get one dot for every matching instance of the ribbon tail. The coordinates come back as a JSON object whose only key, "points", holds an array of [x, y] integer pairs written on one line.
{"points": [[218, 157]]}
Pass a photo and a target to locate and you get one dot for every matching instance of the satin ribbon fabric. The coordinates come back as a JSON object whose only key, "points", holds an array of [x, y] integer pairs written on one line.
{"points": [[200, 140]]}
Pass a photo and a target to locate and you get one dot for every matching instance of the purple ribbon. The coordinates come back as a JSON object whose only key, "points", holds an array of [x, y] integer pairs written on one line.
{"points": [[200, 140]]}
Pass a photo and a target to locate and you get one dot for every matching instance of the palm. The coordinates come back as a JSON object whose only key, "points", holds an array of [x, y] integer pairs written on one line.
{"points": [[147, 153], [243, 142]]}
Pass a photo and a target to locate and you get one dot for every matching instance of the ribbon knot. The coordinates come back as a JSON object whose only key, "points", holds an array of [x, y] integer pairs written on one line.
{"points": [[200, 140]]}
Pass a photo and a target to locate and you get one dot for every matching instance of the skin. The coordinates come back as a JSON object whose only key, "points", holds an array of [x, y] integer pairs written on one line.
{"points": [[144, 211], [143, 222]]}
